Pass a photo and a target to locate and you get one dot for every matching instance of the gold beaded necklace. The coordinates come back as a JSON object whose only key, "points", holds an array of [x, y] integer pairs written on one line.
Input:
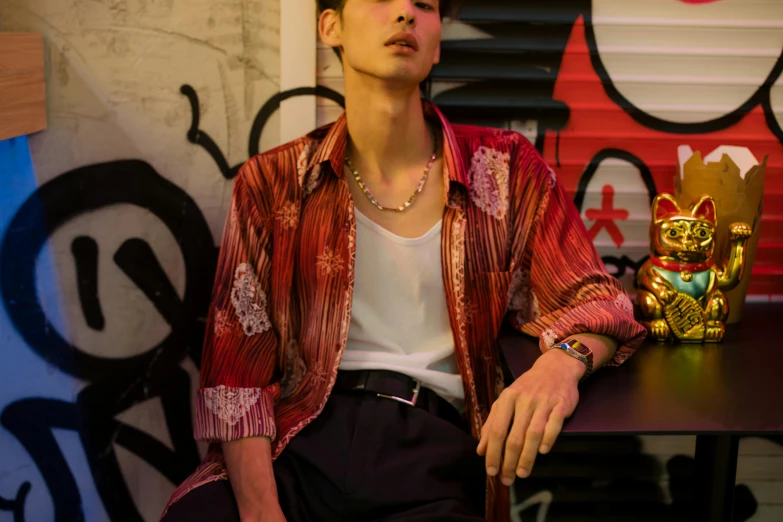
{"points": [[419, 187]]}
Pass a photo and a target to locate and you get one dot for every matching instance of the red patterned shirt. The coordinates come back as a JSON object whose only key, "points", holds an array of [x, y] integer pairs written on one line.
{"points": [[513, 246]]}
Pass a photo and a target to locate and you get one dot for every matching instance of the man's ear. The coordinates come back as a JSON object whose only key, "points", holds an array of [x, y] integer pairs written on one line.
{"points": [[436, 58], [329, 28]]}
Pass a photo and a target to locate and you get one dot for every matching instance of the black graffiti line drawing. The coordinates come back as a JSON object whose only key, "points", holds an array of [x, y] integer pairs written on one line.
{"points": [[202, 139], [760, 97], [621, 264], [16, 506], [592, 168], [115, 385], [769, 115]]}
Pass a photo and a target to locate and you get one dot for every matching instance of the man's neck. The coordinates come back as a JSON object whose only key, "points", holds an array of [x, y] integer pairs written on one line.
{"points": [[388, 133]]}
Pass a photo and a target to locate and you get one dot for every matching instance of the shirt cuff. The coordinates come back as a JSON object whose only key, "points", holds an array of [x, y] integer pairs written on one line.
{"points": [[613, 318], [226, 413]]}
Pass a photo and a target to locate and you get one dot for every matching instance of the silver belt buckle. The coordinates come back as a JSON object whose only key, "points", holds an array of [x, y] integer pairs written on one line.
{"points": [[411, 402]]}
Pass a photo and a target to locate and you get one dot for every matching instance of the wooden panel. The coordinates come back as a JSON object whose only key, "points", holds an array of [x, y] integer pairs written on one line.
{"points": [[22, 86]]}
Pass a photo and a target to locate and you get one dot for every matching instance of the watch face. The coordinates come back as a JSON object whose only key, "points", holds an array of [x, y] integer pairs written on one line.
{"points": [[581, 348]]}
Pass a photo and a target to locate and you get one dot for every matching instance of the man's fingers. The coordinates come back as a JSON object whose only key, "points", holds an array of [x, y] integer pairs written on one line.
{"points": [[482, 445], [553, 427], [515, 440], [535, 432], [481, 449], [497, 429]]}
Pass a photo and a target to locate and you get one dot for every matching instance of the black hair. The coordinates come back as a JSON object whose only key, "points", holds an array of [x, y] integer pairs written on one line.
{"points": [[338, 5]]}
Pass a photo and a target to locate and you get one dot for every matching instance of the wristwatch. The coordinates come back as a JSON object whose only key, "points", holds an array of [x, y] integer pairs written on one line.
{"points": [[579, 351]]}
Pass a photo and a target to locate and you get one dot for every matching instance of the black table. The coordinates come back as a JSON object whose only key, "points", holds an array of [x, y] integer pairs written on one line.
{"points": [[717, 392]]}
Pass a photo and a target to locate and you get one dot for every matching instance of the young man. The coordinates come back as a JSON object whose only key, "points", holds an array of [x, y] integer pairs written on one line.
{"points": [[351, 370]]}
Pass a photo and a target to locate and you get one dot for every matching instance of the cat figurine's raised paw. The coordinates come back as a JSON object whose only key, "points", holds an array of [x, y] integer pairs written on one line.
{"points": [[681, 289]]}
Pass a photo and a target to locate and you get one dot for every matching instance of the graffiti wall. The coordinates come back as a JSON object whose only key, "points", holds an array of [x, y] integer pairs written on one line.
{"points": [[109, 223], [109, 219]]}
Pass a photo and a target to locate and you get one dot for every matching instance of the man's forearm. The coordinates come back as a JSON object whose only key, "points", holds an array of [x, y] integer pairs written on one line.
{"points": [[602, 346], [603, 349], [249, 464]]}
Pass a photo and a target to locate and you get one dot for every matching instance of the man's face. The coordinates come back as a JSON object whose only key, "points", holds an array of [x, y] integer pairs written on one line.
{"points": [[395, 40]]}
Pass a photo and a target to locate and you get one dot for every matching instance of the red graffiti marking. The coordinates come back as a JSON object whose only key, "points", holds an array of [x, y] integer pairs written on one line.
{"points": [[604, 217]]}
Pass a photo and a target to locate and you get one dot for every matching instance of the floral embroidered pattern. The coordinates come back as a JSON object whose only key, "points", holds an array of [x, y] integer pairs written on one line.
{"points": [[230, 404], [518, 290], [543, 205], [531, 312], [319, 374], [312, 181], [470, 312], [221, 324], [249, 301], [535, 311], [552, 178], [329, 262], [624, 302], [488, 177], [549, 337], [522, 299], [461, 307], [233, 214], [308, 183], [288, 215], [302, 161], [295, 369]]}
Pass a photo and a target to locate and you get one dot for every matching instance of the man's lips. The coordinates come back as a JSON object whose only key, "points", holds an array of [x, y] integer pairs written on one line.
{"points": [[405, 38]]}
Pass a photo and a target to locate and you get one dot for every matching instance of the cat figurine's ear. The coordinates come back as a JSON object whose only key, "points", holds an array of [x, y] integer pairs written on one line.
{"points": [[664, 205], [705, 209]]}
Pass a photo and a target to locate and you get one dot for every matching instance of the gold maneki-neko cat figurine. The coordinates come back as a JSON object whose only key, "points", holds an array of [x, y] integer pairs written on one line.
{"points": [[681, 289]]}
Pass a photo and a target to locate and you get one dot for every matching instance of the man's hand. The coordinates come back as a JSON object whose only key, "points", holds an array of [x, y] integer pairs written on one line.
{"points": [[271, 513], [249, 464], [538, 403], [266, 509]]}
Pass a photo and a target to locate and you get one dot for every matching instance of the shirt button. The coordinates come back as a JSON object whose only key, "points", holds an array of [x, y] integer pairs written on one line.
{"points": [[346, 226]]}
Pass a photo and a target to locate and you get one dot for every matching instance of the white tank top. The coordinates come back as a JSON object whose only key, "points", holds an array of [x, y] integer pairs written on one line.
{"points": [[400, 319]]}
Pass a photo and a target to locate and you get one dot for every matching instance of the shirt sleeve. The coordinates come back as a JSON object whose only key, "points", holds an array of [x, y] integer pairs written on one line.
{"points": [[238, 389], [560, 286]]}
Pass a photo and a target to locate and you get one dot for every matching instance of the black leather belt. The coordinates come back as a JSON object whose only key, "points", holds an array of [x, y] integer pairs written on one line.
{"points": [[401, 388]]}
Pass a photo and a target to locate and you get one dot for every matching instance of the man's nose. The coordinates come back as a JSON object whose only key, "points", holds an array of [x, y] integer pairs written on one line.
{"points": [[407, 14]]}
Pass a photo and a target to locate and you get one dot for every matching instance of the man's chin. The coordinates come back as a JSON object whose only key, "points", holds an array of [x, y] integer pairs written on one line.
{"points": [[398, 75], [403, 76]]}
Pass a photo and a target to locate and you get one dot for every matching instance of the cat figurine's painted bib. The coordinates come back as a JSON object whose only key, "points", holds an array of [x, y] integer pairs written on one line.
{"points": [[696, 287]]}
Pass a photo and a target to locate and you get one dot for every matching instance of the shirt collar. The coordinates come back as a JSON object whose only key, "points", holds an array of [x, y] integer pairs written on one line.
{"points": [[332, 146]]}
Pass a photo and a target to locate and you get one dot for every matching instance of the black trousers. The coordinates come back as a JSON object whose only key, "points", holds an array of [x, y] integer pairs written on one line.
{"points": [[364, 459]]}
